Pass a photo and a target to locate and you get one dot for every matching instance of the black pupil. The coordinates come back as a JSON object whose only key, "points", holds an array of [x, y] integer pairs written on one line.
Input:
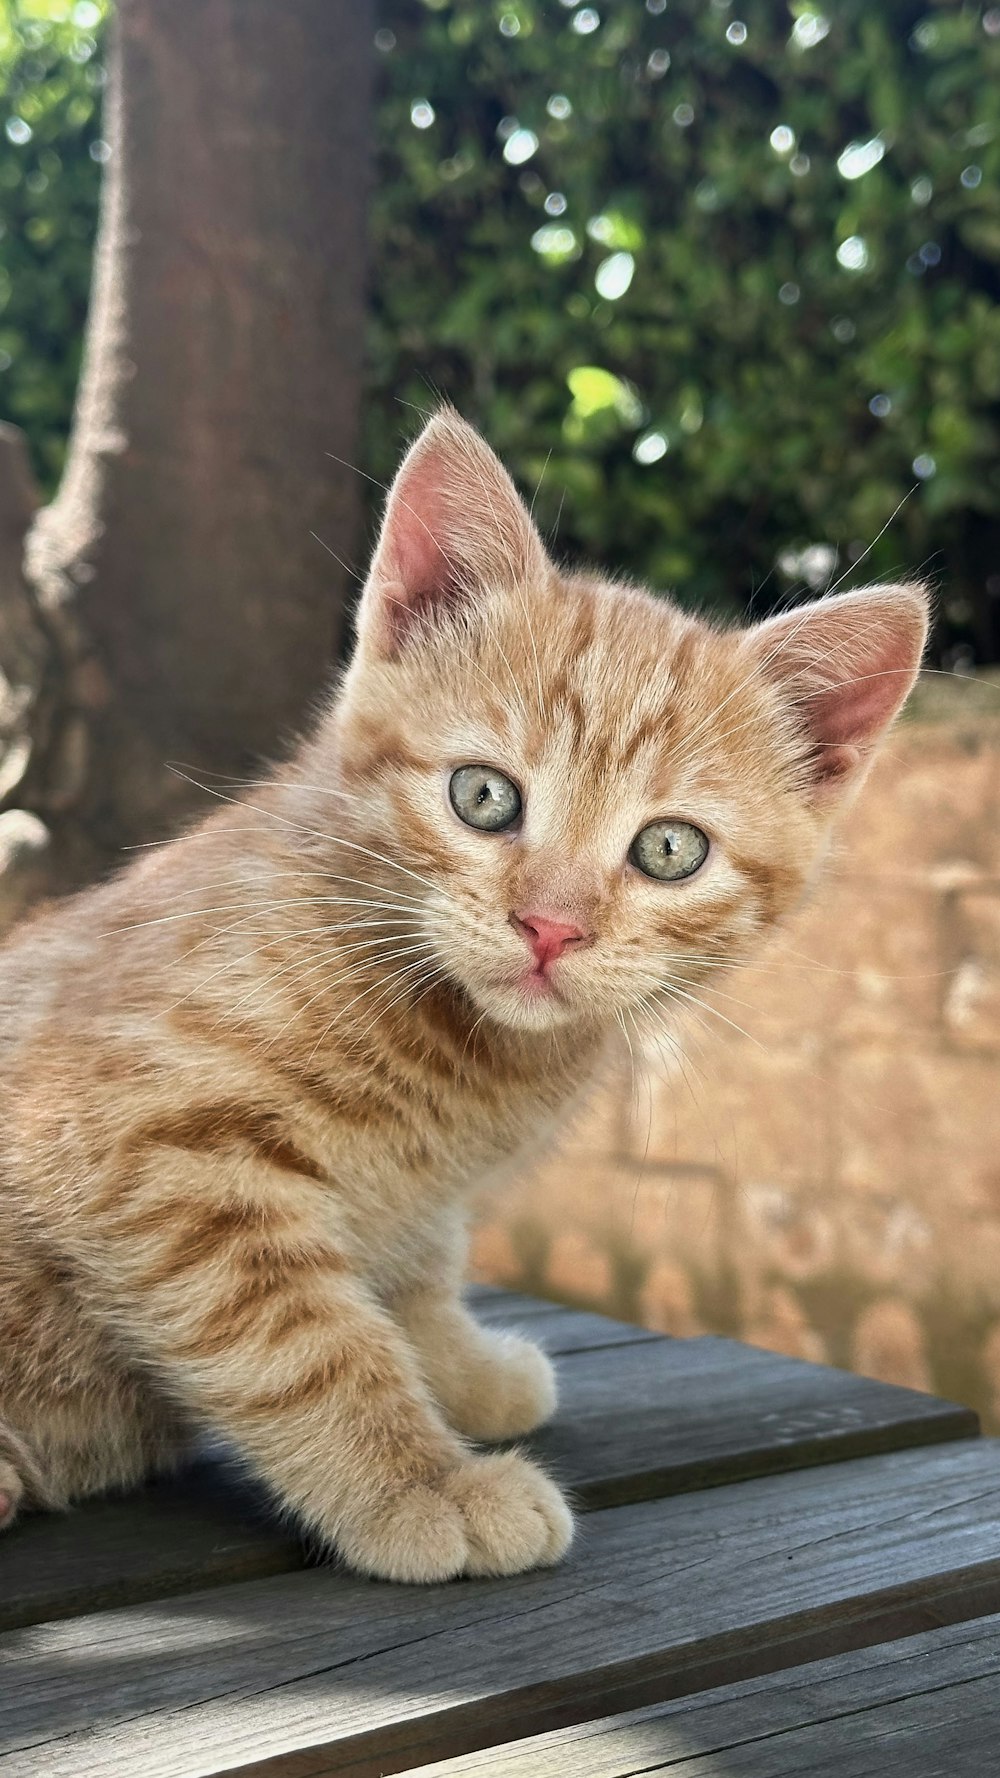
{"points": [[668, 845], [485, 795]]}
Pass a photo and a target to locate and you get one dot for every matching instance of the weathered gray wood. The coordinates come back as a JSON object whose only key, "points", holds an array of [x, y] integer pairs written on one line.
{"points": [[493, 1305], [573, 1330], [647, 1419], [925, 1706], [643, 1418], [202, 1528], [557, 1329], [316, 1673], [481, 1296]]}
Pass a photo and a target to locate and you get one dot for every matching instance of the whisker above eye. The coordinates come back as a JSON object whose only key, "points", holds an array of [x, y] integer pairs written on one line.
{"points": [[227, 782], [298, 827], [258, 912]]}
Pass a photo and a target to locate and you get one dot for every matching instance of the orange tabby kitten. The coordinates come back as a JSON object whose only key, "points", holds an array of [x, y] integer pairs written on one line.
{"points": [[247, 1088]]}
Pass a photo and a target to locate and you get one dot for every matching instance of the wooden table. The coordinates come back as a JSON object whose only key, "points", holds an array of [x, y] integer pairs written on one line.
{"points": [[780, 1569]]}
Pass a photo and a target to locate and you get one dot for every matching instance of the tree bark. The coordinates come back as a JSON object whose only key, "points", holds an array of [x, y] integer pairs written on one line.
{"points": [[174, 603]]}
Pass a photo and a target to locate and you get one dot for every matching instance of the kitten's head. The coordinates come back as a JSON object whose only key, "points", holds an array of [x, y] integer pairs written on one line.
{"points": [[584, 799]]}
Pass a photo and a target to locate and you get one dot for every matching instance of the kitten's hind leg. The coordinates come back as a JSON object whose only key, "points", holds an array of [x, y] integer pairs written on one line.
{"points": [[11, 1494], [22, 1481]]}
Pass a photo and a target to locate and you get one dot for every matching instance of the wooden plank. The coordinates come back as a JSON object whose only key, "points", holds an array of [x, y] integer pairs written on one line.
{"points": [[560, 1330], [643, 1418], [204, 1527], [319, 1673], [490, 1303], [922, 1706], [658, 1418], [208, 1526], [556, 1326]]}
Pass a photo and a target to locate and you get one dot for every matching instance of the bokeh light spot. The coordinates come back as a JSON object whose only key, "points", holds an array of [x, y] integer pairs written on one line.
{"points": [[614, 275], [852, 254], [650, 448], [519, 147], [809, 29], [554, 243], [859, 158]]}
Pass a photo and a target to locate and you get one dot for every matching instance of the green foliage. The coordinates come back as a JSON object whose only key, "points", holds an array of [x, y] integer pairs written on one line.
{"points": [[50, 147], [614, 244], [630, 244]]}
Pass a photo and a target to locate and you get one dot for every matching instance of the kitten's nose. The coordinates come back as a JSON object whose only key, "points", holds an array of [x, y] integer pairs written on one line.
{"points": [[548, 938]]}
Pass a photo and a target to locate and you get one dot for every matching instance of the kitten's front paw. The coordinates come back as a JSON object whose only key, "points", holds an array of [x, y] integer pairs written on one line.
{"points": [[504, 1393], [487, 1516]]}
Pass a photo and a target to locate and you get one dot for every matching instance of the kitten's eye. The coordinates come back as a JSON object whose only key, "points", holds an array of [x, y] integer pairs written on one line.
{"points": [[483, 797], [669, 850]]}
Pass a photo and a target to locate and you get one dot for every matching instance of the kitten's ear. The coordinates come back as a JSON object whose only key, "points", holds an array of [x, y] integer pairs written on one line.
{"points": [[454, 524], [846, 664]]}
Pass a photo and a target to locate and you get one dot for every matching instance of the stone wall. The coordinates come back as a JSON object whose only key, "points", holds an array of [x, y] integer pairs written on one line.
{"points": [[825, 1181]]}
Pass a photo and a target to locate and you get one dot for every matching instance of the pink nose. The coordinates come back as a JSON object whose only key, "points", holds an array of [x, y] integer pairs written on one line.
{"points": [[548, 938]]}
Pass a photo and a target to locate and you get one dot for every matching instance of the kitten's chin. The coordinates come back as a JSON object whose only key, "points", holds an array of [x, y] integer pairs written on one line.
{"points": [[524, 1007]]}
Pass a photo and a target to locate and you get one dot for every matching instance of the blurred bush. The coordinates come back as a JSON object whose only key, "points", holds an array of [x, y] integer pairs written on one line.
{"points": [[719, 279], [50, 159], [736, 265]]}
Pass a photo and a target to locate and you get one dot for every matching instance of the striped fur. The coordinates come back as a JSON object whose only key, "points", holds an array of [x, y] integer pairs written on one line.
{"points": [[249, 1088]]}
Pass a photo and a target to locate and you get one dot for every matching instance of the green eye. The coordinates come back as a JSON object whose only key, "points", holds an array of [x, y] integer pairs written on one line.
{"points": [[483, 797], [669, 850]]}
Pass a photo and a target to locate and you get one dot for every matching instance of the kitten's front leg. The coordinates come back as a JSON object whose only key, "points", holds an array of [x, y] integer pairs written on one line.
{"points": [[260, 1327], [490, 1386]]}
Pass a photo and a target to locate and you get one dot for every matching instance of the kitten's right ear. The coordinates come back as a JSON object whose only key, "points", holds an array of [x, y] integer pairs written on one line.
{"points": [[846, 664], [454, 524]]}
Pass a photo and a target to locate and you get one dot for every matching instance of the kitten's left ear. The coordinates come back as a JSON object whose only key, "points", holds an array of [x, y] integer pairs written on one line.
{"points": [[846, 664], [454, 525]]}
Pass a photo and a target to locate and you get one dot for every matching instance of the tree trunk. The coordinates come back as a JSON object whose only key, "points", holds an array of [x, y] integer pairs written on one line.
{"points": [[174, 603]]}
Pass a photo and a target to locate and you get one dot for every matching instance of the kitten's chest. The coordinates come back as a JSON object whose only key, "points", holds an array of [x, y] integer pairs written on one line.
{"points": [[420, 1154]]}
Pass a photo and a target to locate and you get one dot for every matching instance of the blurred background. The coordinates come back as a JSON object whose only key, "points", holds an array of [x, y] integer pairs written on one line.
{"points": [[719, 281]]}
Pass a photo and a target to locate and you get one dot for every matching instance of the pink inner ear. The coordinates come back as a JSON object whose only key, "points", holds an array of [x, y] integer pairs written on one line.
{"points": [[411, 558], [846, 664], [859, 709], [454, 526]]}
